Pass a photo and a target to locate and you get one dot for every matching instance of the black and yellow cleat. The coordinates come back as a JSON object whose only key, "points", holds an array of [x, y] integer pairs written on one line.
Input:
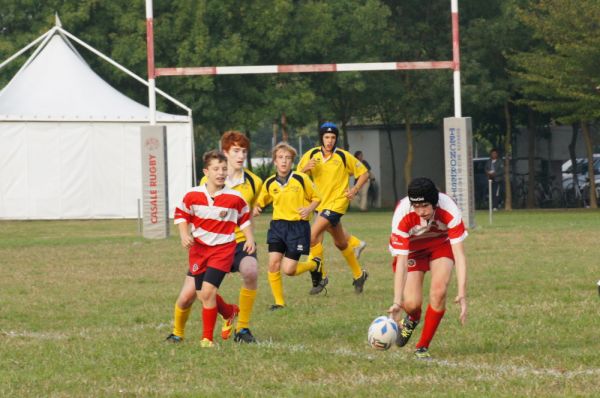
{"points": [[407, 327], [316, 275], [276, 307]]}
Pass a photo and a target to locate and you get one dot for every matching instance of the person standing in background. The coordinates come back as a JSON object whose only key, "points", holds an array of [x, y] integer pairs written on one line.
{"points": [[494, 168], [361, 198]]}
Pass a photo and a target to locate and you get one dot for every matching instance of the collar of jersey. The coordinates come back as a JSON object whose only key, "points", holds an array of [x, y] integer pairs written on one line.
{"points": [[208, 197], [286, 180], [234, 183], [332, 153]]}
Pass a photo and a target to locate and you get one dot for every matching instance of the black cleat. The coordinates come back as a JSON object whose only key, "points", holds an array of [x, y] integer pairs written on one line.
{"points": [[174, 339], [407, 327], [244, 336], [317, 275], [320, 287], [276, 307], [359, 283]]}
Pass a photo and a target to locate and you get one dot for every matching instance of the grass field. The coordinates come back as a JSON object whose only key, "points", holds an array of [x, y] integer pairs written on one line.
{"points": [[85, 307]]}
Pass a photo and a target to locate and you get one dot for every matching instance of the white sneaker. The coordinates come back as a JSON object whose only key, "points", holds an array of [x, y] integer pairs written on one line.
{"points": [[358, 249]]}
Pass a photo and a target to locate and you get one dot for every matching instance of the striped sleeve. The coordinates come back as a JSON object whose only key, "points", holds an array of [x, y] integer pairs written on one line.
{"points": [[243, 209], [184, 212], [399, 238], [452, 217]]}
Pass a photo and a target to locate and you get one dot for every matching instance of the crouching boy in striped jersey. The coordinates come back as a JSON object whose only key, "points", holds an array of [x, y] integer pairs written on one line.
{"points": [[206, 220], [294, 199]]}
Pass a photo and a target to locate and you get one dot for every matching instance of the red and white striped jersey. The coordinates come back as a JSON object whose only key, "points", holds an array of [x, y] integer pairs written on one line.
{"points": [[411, 233], [213, 220]]}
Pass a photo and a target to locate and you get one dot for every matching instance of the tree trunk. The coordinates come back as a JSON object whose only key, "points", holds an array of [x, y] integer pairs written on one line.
{"points": [[249, 153], [409, 153], [284, 133], [574, 129], [275, 129], [507, 157], [345, 135], [531, 160], [589, 148], [388, 130]]}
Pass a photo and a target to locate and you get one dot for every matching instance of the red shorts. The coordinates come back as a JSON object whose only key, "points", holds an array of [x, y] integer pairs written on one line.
{"points": [[219, 257], [419, 260]]}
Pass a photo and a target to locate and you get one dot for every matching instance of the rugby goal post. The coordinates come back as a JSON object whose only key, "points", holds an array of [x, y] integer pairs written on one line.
{"points": [[457, 129]]}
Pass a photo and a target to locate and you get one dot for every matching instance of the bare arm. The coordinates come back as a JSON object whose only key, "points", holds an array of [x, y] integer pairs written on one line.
{"points": [[351, 193], [187, 240], [305, 212], [249, 245], [399, 283], [458, 250]]}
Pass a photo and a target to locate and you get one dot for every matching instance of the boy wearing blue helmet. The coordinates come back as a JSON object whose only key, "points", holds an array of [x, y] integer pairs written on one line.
{"points": [[330, 168]]}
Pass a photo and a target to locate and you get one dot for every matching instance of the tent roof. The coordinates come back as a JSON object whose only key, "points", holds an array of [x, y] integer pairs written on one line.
{"points": [[57, 84]]}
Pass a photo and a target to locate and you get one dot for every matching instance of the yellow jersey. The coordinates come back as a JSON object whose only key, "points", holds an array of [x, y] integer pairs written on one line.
{"points": [[297, 191], [249, 186], [331, 176]]}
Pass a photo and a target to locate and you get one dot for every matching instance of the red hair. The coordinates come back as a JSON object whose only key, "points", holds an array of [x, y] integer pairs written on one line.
{"points": [[231, 138]]}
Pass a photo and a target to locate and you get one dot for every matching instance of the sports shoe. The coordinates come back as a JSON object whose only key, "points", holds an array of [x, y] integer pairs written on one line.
{"points": [[227, 327], [320, 287], [276, 307], [407, 327], [422, 353], [359, 283], [174, 339], [317, 275], [244, 336], [359, 249], [206, 343]]}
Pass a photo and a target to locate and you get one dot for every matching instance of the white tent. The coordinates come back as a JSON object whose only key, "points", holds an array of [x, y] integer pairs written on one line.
{"points": [[70, 143]]}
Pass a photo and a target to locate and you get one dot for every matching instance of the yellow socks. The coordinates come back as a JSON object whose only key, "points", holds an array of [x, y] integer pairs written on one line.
{"points": [[276, 287], [180, 317], [316, 251], [353, 241], [247, 297], [348, 254], [305, 266]]}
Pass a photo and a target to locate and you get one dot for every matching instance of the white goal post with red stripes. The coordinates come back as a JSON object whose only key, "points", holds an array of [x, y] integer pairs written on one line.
{"points": [[457, 130]]}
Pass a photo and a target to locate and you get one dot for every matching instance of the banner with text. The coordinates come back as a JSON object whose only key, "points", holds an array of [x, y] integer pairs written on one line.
{"points": [[154, 182], [458, 151]]}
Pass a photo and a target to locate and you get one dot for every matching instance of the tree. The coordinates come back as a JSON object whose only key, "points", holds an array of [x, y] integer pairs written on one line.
{"points": [[561, 77]]}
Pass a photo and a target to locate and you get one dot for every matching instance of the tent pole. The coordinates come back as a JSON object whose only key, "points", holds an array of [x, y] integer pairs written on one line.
{"points": [[27, 47], [122, 68]]}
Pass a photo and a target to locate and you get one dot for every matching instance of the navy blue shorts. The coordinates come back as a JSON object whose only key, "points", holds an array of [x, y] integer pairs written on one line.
{"points": [[292, 238], [333, 217], [239, 256]]}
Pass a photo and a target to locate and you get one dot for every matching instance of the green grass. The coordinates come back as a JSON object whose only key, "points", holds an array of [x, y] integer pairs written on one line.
{"points": [[85, 307]]}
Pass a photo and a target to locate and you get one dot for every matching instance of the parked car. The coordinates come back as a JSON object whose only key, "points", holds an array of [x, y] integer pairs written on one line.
{"points": [[575, 195]]}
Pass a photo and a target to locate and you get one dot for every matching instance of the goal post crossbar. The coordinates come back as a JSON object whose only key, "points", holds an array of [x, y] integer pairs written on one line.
{"points": [[303, 68]]}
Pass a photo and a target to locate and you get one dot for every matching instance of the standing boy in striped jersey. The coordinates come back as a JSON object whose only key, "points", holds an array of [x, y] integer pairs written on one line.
{"points": [[235, 147], [206, 219], [294, 199]]}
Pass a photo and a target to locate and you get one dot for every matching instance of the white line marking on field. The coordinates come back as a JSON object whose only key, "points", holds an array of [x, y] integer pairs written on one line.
{"points": [[521, 371], [482, 367], [34, 335]]}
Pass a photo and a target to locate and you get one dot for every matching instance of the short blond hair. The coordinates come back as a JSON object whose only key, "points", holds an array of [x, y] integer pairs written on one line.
{"points": [[285, 147]]}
